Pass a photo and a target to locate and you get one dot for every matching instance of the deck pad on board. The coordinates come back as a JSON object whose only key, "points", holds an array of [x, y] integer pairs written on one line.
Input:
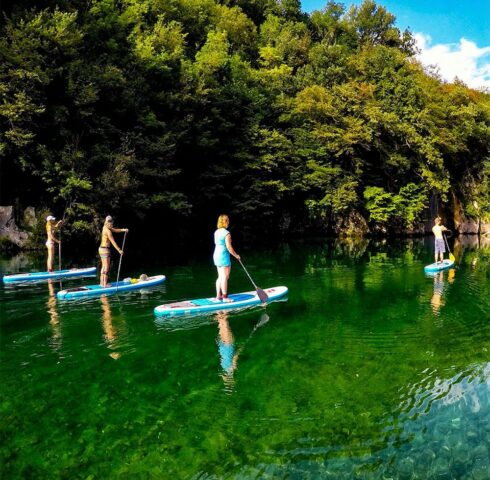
{"points": [[435, 267], [114, 287], [36, 276], [203, 305]]}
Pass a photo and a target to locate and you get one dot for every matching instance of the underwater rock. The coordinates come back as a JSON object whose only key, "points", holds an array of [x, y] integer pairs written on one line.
{"points": [[481, 470], [461, 459], [427, 457], [406, 468], [389, 473], [471, 436], [480, 453], [441, 470]]}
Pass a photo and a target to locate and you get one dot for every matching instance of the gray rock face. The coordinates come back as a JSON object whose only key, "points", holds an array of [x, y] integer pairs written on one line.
{"points": [[465, 224], [8, 228], [473, 226], [30, 217], [353, 224]]}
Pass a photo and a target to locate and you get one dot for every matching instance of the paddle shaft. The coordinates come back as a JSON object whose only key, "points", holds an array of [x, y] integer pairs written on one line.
{"points": [[243, 266], [451, 256], [262, 295], [59, 251], [120, 261]]}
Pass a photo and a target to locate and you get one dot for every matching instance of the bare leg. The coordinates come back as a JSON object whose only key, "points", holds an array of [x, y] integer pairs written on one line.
{"points": [[225, 275], [219, 295], [50, 258], [104, 274]]}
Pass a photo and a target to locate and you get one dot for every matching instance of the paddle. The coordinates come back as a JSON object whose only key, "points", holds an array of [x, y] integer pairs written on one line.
{"points": [[261, 294], [59, 251], [451, 256], [120, 261]]}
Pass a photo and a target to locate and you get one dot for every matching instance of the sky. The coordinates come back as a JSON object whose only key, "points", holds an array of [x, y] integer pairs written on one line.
{"points": [[454, 35]]}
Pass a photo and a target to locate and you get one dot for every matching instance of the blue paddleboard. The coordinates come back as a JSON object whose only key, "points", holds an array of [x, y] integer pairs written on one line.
{"points": [[57, 274], [435, 267], [115, 287], [204, 305]]}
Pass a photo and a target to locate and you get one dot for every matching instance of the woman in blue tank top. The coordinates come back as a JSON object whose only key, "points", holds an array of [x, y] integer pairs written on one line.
{"points": [[221, 257]]}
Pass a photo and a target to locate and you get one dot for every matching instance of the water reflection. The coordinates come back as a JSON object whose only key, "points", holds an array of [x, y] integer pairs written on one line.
{"points": [[227, 349], [54, 321], [111, 333], [437, 300], [18, 263]]}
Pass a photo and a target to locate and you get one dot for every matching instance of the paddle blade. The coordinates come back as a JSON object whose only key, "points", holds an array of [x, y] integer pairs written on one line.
{"points": [[262, 295], [452, 257]]}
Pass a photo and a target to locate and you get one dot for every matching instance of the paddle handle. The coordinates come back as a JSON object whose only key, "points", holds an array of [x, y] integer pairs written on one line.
{"points": [[120, 261]]}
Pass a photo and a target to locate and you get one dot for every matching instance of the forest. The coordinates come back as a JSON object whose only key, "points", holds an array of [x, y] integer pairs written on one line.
{"points": [[166, 113]]}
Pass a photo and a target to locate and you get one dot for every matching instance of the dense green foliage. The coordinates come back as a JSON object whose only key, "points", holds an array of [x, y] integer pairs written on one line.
{"points": [[172, 111]]}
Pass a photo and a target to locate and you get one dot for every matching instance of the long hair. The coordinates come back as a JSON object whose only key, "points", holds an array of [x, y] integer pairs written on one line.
{"points": [[223, 221]]}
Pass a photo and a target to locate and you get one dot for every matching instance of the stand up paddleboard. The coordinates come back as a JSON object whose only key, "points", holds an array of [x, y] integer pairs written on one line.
{"points": [[435, 267], [204, 305], [57, 274], [115, 287]]}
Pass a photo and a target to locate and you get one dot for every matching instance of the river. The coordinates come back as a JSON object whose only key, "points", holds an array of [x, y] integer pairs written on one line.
{"points": [[368, 369]]}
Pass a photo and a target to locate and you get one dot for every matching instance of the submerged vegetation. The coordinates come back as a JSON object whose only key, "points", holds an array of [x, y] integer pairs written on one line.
{"points": [[173, 111]]}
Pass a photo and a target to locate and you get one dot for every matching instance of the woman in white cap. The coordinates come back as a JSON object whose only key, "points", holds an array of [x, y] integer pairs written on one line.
{"points": [[105, 248], [50, 242]]}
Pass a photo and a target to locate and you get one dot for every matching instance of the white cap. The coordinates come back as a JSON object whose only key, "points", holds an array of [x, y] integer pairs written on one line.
{"points": [[50, 217], [108, 218]]}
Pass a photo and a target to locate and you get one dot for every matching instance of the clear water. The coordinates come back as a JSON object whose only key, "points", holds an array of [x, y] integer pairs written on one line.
{"points": [[369, 370]]}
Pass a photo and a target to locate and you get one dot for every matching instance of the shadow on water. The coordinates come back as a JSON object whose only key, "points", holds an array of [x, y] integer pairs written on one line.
{"points": [[370, 370]]}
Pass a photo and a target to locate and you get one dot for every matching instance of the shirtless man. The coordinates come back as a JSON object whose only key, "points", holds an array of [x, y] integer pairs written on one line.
{"points": [[105, 248], [50, 243], [440, 247]]}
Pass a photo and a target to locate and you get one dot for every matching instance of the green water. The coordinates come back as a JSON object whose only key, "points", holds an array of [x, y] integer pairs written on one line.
{"points": [[370, 369]]}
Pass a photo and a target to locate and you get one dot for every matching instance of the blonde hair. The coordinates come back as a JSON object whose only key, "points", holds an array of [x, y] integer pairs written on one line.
{"points": [[223, 221], [437, 220]]}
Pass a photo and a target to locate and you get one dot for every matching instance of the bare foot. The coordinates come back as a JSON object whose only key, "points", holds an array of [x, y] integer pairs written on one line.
{"points": [[227, 300], [217, 299]]}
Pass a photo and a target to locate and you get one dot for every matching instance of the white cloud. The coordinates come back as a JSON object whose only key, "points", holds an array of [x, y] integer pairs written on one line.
{"points": [[464, 60]]}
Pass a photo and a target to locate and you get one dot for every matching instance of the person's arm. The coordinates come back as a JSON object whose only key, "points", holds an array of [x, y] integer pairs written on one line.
{"points": [[111, 239], [57, 226], [230, 247], [119, 230]]}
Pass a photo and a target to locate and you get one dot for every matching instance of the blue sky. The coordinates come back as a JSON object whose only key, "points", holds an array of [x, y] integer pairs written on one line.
{"points": [[455, 35]]}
